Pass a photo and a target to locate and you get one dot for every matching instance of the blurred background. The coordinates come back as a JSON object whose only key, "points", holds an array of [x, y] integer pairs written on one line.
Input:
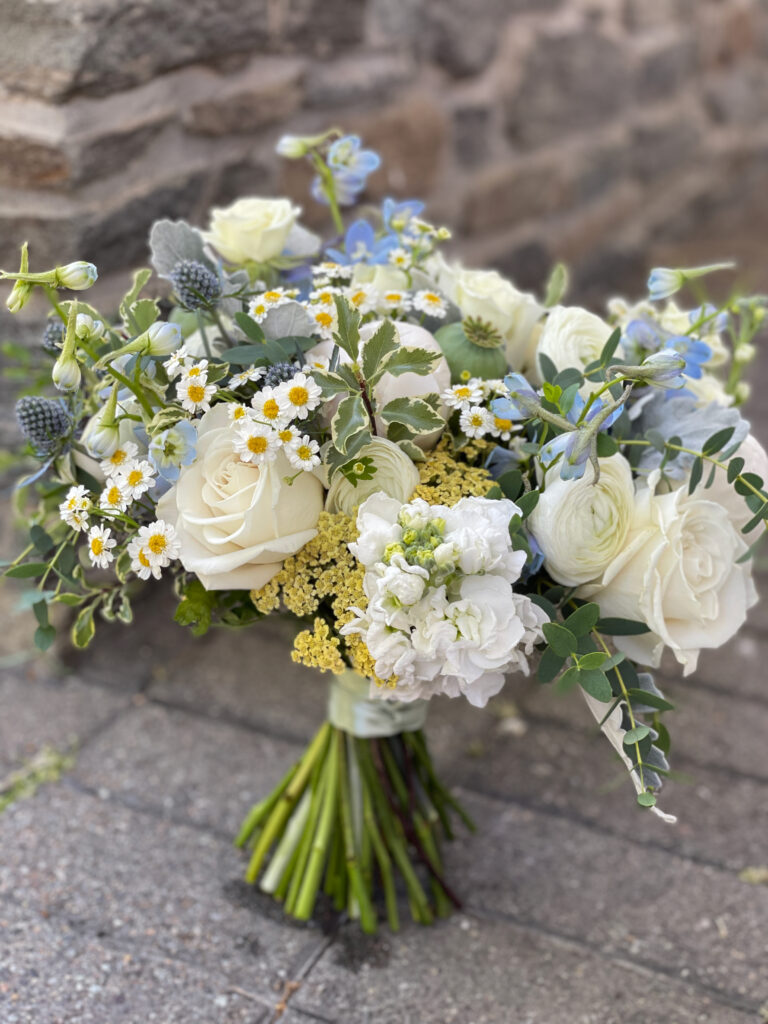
{"points": [[613, 134]]}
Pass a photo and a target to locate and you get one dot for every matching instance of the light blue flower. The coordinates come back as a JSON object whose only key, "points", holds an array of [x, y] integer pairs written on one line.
{"points": [[714, 321], [665, 368], [645, 336], [346, 156], [362, 246], [575, 445], [664, 282], [348, 188], [396, 215], [174, 448]]}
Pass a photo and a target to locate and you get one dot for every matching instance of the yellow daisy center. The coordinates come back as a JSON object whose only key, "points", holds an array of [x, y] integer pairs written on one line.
{"points": [[272, 296], [143, 560], [298, 395], [430, 297], [194, 371], [260, 309], [238, 413], [196, 392], [97, 545], [135, 477], [393, 296], [117, 458], [325, 299], [157, 543], [463, 392], [358, 298], [257, 444], [285, 435], [113, 495], [477, 420], [324, 319], [304, 452], [270, 410], [502, 424]]}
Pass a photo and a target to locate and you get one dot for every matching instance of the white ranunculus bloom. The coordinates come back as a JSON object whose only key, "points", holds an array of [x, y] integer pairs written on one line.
{"points": [[572, 336], [236, 522], [489, 296], [252, 228], [582, 526], [395, 475], [677, 572]]}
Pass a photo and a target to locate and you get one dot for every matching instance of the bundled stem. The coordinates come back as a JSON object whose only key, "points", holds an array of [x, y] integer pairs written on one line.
{"points": [[355, 817]]}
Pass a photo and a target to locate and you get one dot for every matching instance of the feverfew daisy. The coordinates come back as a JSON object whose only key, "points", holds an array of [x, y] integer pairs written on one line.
{"points": [[75, 507], [141, 563], [137, 479], [260, 305], [401, 257], [362, 297], [287, 435], [255, 443], [325, 320], [394, 302], [100, 543], [461, 396], [476, 421], [153, 548], [248, 376], [176, 362], [194, 395], [269, 406], [119, 459], [114, 497], [430, 303], [502, 428], [330, 270], [299, 396], [237, 413], [303, 453], [195, 371], [325, 297]]}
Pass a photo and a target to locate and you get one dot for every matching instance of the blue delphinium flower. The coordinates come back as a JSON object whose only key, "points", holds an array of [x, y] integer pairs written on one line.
{"points": [[506, 407], [572, 444], [348, 188], [397, 214], [663, 282], [172, 449], [362, 246], [350, 166], [644, 336], [712, 321]]}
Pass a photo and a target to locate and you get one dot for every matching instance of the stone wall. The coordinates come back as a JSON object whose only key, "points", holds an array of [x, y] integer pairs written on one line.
{"points": [[609, 133]]}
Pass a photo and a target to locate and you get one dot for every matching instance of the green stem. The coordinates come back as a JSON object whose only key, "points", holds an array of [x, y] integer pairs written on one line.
{"points": [[52, 296], [311, 881], [138, 393], [354, 870], [293, 886]]}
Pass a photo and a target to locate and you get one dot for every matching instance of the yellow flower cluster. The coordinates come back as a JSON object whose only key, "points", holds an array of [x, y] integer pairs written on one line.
{"points": [[326, 571]]}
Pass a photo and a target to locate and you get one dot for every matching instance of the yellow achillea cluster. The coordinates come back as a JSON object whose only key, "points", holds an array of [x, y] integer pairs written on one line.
{"points": [[326, 572]]}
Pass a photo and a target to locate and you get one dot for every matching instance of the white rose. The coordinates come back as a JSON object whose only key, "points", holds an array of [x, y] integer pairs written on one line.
{"points": [[572, 336], [677, 572], [395, 475], [582, 526], [237, 522], [486, 294], [755, 461], [251, 229]]}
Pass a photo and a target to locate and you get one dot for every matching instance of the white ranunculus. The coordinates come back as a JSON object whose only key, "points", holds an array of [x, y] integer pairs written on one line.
{"points": [[582, 526], [677, 572], [237, 522], [251, 229], [395, 475], [489, 296], [572, 336], [755, 461]]}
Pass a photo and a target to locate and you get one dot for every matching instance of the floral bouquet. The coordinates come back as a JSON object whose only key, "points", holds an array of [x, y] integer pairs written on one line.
{"points": [[443, 479]]}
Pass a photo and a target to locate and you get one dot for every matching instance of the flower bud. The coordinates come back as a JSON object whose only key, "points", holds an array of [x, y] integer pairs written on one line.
{"points": [[76, 276], [102, 433], [66, 372], [742, 391], [161, 339], [88, 329], [662, 368], [665, 281], [744, 353], [19, 296], [293, 147]]}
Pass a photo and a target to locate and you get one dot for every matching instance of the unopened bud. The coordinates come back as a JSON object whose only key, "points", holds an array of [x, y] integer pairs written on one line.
{"points": [[76, 276]]}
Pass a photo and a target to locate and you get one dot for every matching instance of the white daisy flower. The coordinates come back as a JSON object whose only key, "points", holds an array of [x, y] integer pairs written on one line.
{"points": [[160, 541], [195, 371], [394, 301], [303, 453], [329, 269], [260, 305], [140, 561], [363, 297], [269, 406], [318, 363], [325, 297], [299, 396], [502, 427], [461, 396], [176, 362], [75, 507], [195, 395], [326, 321], [401, 257], [137, 479], [237, 413], [287, 435], [430, 303], [100, 543], [248, 376], [476, 421], [119, 459], [114, 497], [255, 443]]}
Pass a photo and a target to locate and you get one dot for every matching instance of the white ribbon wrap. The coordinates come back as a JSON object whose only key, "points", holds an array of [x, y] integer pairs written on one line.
{"points": [[351, 709]]}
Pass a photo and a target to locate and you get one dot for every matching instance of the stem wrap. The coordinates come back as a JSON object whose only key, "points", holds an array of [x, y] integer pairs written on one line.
{"points": [[351, 709]]}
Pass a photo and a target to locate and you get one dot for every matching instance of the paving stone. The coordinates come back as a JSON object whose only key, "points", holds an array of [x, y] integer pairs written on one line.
{"points": [[36, 711], [51, 974], [489, 972], [186, 767], [151, 886], [691, 921]]}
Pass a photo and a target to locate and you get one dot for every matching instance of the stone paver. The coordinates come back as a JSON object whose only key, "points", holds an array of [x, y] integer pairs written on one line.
{"points": [[472, 971]]}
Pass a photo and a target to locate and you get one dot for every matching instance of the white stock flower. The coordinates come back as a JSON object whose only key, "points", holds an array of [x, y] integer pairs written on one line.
{"points": [[237, 522], [251, 229], [580, 525], [677, 572], [478, 529], [572, 337]]}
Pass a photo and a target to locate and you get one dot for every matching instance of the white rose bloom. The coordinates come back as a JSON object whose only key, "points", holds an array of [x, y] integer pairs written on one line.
{"points": [[236, 522], [251, 229], [572, 336], [486, 294], [582, 526], [395, 475], [677, 572], [383, 277]]}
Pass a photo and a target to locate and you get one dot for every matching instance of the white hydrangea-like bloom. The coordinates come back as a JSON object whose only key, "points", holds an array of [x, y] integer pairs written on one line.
{"points": [[442, 616]]}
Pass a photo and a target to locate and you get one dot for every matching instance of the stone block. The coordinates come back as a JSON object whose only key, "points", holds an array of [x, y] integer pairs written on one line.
{"points": [[28, 163], [361, 77], [514, 192], [667, 61], [570, 81], [640, 15], [738, 95], [665, 144], [269, 92]]}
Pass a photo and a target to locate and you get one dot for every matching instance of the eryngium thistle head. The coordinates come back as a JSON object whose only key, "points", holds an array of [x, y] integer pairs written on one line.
{"points": [[278, 373], [44, 421], [53, 336], [195, 284]]}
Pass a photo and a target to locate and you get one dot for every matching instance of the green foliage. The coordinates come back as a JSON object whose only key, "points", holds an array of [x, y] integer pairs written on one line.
{"points": [[349, 421], [376, 350], [347, 337], [557, 285], [195, 607], [414, 413]]}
